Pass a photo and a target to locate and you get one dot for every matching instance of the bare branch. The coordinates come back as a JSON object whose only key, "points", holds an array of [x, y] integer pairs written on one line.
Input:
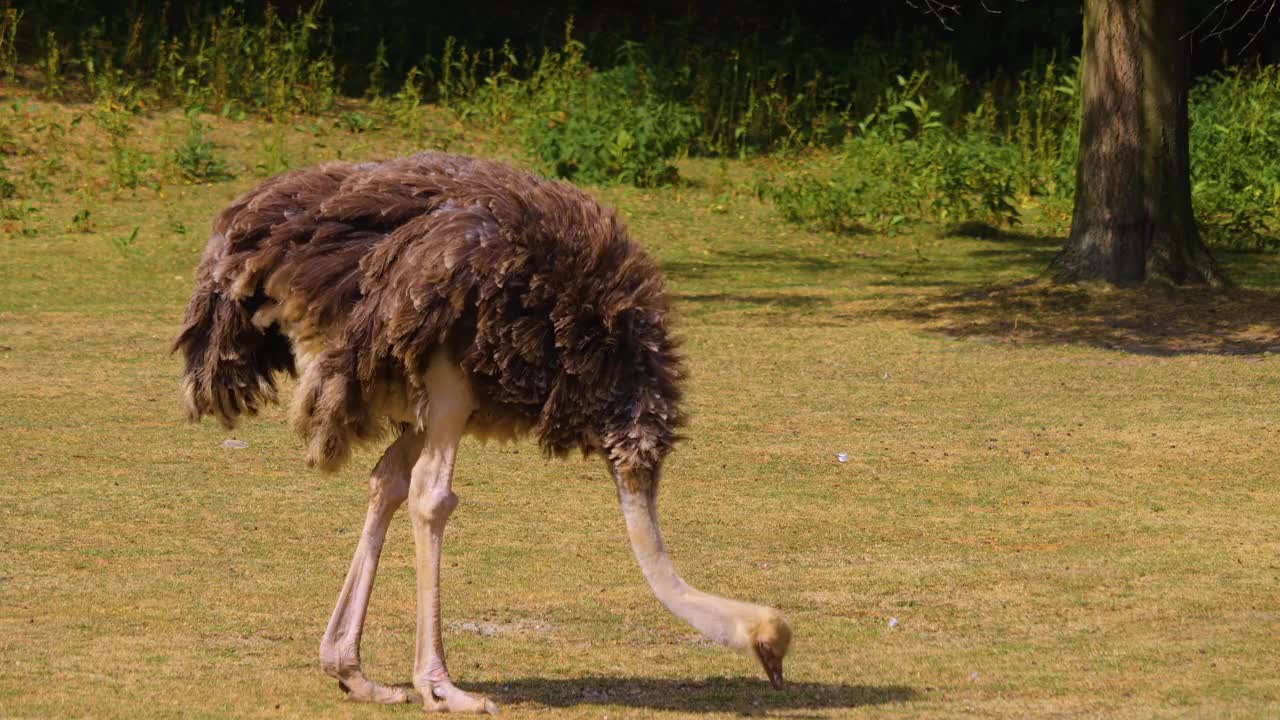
{"points": [[945, 10], [936, 8], [1220, 21]]}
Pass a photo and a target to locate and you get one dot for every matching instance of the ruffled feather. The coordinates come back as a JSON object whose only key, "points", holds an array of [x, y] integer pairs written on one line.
{"points": [[558, 318]]}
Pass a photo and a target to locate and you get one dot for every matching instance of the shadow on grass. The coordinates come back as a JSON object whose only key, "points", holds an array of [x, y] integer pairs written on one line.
{"points": [[949, 289], [723, 263], [1144, 321], [905, 262], [714, 694], [791, 302], [1015, 248]]}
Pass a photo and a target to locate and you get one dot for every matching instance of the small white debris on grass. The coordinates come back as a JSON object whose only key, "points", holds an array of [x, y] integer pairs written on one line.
{"points": [[842, 457], [235, 444], [893, 623]]}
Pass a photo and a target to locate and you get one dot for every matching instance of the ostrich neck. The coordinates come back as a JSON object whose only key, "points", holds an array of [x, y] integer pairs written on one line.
{"points": [[720, 619]]}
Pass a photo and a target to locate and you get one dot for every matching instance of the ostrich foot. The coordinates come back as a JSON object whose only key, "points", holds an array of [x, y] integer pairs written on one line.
{"points": [[446, 697], [345, 668], [361, 689]]}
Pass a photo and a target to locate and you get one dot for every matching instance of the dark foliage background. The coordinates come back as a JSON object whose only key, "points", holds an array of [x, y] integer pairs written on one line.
{"points": [[801, 34], [876, 114]]}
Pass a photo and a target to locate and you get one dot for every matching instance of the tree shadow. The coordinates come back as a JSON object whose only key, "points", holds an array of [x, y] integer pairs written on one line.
{"points": [[723, 262], [1143, 320], [948, 291], [715, 694], [791, 302], [908, 264], [1020, 248], [1147, 320]]}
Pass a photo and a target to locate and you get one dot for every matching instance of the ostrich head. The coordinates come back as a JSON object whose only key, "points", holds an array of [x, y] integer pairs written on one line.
{"points": [[770, 638]]}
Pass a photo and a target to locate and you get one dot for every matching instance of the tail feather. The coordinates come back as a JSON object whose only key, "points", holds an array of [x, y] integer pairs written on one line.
{"points": [[230, 363]]}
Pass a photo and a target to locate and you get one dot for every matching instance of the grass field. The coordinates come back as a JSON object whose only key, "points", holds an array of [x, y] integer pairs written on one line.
{"points": [[1057, 502]]}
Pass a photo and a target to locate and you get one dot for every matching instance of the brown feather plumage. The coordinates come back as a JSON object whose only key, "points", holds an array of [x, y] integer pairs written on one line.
{"points": [[356, 274]]}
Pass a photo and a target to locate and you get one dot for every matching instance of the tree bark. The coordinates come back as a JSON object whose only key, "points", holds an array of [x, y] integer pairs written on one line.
{"points": [[1133, 221]]}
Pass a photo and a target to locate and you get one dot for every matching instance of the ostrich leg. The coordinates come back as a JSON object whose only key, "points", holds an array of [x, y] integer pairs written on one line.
{"points": [[431, 500], [340, 646]]}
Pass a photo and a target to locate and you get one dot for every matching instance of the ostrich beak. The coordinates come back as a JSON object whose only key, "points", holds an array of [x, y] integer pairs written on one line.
{"points": [[772, 664]]}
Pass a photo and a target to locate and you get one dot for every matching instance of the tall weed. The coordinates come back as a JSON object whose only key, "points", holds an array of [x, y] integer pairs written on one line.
{"points": [[9, 19], [128, 166], [1043, 126], [51, 67], [275, 153], [277, 67], [406, 105]]}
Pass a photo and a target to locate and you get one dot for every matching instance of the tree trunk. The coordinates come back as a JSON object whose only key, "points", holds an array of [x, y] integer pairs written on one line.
{"points": [[1133, 221]]}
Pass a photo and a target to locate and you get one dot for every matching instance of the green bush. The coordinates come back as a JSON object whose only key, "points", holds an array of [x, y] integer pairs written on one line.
{"points": [[1235, 157], [275, 153], [195, 157], [357, 122], [875, 183], [612, 127], [903, 165], [975, 179], [8, 189]]}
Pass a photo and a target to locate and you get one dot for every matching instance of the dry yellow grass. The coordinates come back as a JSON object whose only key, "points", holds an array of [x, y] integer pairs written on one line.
{"points": [[1061, 525]]}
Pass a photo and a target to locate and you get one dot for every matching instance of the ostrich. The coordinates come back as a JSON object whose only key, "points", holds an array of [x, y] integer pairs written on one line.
{"points": [[432, 296]]}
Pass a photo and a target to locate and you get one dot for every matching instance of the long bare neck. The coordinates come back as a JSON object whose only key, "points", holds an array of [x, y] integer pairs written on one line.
{"points": [[722, 620]]}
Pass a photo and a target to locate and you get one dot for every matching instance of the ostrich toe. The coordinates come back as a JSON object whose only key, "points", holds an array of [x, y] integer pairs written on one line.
{"points": [[446, 697], [361, 689]]}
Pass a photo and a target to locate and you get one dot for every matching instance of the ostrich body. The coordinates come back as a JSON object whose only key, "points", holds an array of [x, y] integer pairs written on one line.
{"points": [[430, 297]]}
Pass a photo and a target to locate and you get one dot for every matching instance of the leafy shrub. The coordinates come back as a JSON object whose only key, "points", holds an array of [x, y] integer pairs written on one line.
{"points": [[974, 181], [277, 67], [82, 221], [1235, 157], [356, 122], [580, 124], [275, 153], [195, 157], [22, 213], [875, 183], [903, 165], [612, 128]]}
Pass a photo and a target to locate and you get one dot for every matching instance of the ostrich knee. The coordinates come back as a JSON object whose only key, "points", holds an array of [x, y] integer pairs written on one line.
{"points": [[432, 507]]}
